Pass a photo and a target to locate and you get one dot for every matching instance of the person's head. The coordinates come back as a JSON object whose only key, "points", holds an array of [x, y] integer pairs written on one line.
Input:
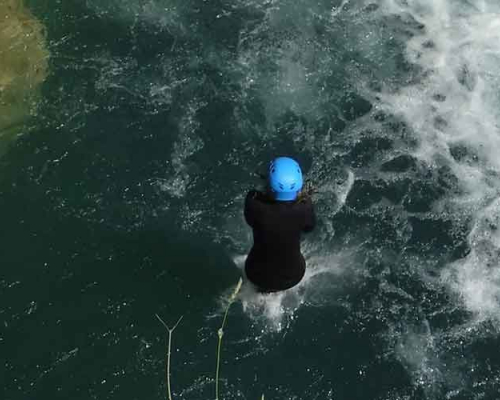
{"points": [[285, 179]]}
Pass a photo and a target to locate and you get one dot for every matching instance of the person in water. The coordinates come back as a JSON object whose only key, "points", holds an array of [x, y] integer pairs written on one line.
{"points": [[278, 217]]}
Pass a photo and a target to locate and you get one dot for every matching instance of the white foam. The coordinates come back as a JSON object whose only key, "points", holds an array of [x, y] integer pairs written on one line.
{"points": [[459, 54], [344, 189], [476, 278]]}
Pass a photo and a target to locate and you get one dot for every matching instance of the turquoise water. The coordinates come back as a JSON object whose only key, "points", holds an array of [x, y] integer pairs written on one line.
{"points": [[123, 198]]}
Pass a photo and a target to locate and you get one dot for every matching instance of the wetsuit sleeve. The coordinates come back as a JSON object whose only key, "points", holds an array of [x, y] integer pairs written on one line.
{"points": [[249, 209], [309, 216]]}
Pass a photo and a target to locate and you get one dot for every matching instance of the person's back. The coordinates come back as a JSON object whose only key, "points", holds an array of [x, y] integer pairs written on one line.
{"points": [[278, 218]]}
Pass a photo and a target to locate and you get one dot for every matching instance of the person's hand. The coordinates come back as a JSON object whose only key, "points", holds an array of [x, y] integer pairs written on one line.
{"points": [[306, 193]]}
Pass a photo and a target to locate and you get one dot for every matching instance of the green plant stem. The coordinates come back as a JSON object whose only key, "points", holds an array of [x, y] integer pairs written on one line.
{"points": [[169, 351], [220, 333], [217, 369]]}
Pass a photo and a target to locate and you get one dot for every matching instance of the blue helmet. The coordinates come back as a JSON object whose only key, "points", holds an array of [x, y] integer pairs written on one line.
{"points": [[285, 178]]}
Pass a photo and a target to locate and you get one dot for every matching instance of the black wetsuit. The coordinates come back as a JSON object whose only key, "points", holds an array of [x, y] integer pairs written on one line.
{"points": [[275, 262]]}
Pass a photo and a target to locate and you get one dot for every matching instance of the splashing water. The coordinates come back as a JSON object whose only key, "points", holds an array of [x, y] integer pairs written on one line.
{"points": [[454, 110], [391, 107]]}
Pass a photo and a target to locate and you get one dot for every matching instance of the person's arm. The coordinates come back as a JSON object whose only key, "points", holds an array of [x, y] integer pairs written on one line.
{"points": [[309, 215], [249, 210]]}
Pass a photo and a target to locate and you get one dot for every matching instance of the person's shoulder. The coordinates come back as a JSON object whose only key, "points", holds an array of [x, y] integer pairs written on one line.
{"points": [[257, 196]]}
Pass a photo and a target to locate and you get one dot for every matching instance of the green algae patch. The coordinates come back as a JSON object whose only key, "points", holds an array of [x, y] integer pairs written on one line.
{"points": [[23, 67]]}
